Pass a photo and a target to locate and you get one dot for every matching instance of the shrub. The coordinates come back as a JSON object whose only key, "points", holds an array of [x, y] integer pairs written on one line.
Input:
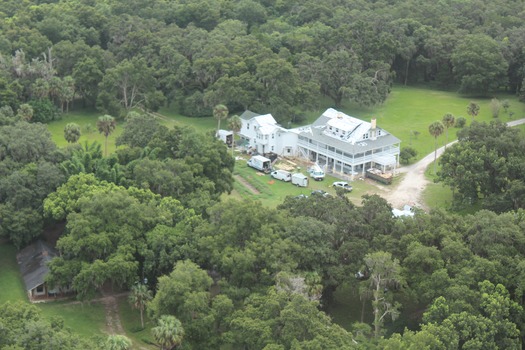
{"points": [[460, 122], [44, 111]]}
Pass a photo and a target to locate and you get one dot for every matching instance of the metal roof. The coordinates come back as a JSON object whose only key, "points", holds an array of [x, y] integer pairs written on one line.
{"points": [[32, 262], [247, 115]]}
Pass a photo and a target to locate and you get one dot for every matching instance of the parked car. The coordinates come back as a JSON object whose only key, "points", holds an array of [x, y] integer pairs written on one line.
{"points": [[321, 193], [343, 184]]}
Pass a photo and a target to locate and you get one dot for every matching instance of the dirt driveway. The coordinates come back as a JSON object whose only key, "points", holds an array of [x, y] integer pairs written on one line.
{"points": [[410, 189]]}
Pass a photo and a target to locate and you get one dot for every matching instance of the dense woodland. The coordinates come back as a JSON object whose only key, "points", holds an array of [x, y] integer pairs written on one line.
{"points": [[237, 275]]}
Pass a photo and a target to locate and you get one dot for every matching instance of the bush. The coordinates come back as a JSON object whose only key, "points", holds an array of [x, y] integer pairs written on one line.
{"points": [[406, 154], [460, 122], [44, 111]]}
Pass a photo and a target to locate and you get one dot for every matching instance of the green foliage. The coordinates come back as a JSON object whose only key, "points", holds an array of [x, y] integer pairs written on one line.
{"points": [[43, 111], [460, 122], [24, 328], [72, 132], [406, 154]]}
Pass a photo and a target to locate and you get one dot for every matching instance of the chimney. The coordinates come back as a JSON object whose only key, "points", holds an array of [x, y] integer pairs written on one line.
{"points": [[373, 131]]}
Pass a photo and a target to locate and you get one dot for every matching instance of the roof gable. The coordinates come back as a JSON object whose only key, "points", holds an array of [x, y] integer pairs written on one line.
{"points": [[32, 262]]}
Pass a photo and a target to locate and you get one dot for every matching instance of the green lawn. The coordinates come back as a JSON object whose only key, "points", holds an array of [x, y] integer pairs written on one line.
{"points": [[130, 319], [12, 285], [87, 320], [273, 192], [87, 120]]}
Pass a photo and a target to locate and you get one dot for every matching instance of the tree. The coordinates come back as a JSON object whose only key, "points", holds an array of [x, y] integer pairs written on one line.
{"points": [[495, 106], [220, 112], [139, 297], [235, 124], [106, 124], [448, 122], [479, 65], [168, 333], [436, 129], [72, 132], [406, 154], [25, 112], [138, 130], [473, 109], [385, 272], [118, 342]]}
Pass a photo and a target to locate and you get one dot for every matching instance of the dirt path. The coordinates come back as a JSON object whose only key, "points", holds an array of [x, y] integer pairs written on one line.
{"points": [[246, 184], [410, 189], [113, 323]]}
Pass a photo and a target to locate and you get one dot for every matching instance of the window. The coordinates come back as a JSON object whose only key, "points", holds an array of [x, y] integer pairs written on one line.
{"points": [[379, 132], [266, 137], [248, 126], [40, 289], [273, 136], [272, 148]]}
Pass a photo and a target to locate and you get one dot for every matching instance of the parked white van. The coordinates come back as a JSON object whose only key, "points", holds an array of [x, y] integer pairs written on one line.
{"points": [[282, 175]]}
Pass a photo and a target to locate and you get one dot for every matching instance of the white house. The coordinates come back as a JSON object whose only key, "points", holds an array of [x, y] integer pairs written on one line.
{"points": [[338, 142], [347, 144], [264, 135]]}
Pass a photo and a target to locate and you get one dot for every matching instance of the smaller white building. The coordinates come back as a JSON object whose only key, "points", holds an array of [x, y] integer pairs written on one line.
{"points": [[264, 135]]}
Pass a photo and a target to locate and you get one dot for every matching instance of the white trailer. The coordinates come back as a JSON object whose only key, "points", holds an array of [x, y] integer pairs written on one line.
{"points": [[300, 180], [260, 163], [226, 137]]}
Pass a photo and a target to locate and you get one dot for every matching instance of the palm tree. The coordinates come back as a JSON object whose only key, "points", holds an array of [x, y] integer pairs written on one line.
{"points": [[168, 333], [235, 124], [106, 124], [72, 132], [448, 122], [436, 129], [25, 112], [118, 342], [473, 109], [139, 297], [220, 112]]}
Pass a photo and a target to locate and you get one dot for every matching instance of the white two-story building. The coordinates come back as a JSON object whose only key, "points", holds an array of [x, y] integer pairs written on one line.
{"points": [[336, 141]]}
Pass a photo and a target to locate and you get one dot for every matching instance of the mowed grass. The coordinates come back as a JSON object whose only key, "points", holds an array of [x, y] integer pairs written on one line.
{"points": [[273, 192], [130, 318], [87, 120], [410, 109], [87, 319], [11, 284]]}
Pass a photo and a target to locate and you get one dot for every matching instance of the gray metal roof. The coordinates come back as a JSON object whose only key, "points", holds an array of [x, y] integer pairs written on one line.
{"points": [[363, 146], [32, 262], [247, 115]]}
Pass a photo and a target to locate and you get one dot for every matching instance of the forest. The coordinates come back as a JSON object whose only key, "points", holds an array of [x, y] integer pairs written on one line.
{"points": [[231, 274]]}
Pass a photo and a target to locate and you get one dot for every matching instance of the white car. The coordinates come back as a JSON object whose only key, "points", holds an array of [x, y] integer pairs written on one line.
{"points": [[343, 184]]}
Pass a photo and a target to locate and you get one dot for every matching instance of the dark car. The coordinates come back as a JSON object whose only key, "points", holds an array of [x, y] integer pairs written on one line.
{"points": [[320, 193]]}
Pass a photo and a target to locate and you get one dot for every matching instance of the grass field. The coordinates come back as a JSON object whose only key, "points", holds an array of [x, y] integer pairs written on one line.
{"points": [[12, 286], [131, 322], [87, 120], [273, 192]]}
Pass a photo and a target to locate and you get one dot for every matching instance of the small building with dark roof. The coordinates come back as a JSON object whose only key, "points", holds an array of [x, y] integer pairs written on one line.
{"points": [[32, 262]]}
